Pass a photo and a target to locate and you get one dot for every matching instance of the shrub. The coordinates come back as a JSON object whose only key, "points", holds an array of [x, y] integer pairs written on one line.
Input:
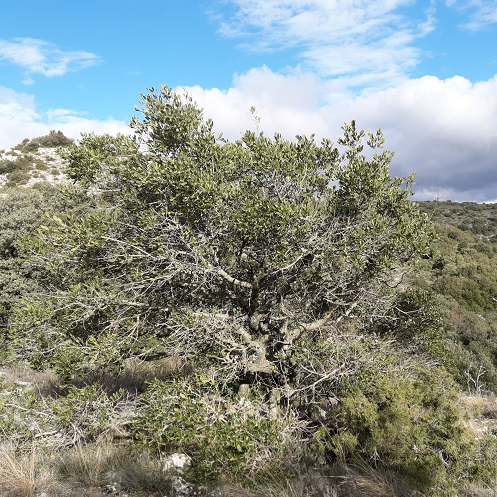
{"points": [[81, 415], [21, 214], [18, 415], [17, 178], [7, 166], [87, 413], [407, 423], [225, 436], [416, 315], [52, 140]]}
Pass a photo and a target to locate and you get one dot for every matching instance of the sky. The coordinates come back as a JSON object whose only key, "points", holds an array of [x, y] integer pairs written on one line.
{"points": [[425, 72]]}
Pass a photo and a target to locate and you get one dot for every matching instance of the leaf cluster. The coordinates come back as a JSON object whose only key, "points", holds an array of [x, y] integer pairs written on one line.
{"points": [[226, 435]]}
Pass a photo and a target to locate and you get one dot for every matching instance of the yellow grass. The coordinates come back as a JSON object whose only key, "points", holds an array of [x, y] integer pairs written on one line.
{"points": [[20, 474]]}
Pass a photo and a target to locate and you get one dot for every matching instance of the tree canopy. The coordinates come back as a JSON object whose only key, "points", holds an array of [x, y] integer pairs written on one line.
{"points": [[234, 253]]}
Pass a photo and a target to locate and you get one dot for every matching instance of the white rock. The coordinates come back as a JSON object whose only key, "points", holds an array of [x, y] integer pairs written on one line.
{"points": [[176, 463]]}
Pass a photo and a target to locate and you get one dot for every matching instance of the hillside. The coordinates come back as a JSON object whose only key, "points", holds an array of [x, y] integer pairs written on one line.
{"points": [[33, 161], [479, 219], [462, 272]]}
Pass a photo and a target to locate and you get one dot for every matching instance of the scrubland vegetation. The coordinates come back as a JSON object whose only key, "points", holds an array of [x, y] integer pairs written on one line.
{"points": [[279, 311]]}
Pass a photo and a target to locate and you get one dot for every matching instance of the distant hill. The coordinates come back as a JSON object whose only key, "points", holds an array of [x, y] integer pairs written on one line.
{"points": [[480, 219], [461, 274], [34, 161]]}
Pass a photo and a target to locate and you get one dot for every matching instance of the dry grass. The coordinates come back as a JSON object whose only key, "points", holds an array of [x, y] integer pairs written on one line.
{"points": [[366, 481], [88, 466], [481, 413], [108, 466], [143, 473], [22, 475], [338, 481], [45, 382], [100, 469], [92, 471]]}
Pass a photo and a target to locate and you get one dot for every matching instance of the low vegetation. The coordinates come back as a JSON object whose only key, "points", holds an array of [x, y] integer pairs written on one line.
{"points": [[33, 161], [278, 311]]}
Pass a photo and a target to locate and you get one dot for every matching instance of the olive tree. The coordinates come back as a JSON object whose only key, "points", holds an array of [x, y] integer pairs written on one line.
{"points": [[261, 257]]}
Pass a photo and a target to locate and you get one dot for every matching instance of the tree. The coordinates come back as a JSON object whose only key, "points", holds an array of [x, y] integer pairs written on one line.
{"points": [[260, 258]]}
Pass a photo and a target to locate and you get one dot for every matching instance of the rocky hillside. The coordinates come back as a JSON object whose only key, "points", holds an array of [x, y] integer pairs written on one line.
{"points": [[33, 161], [479, 219]]}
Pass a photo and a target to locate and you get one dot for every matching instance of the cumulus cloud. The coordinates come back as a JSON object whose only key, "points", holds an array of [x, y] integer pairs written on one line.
{"points": [[356, 57], [19, 119], [42, 57], [360, 41], [285, 103], [444, 130]]}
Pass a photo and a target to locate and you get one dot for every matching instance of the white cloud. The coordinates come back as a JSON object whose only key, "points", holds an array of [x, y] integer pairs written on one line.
{"points": [[340, 38], [481, 13], [41, 57], [19, 119], [288, 103], [361, 53], [445, 130]]}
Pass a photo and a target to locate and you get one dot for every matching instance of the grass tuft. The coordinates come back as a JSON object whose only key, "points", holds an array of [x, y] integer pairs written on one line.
{"points": [[22, 475]]}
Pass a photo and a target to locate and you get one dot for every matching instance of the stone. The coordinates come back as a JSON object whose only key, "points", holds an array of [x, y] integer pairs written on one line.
{"points": [[176, 464]]}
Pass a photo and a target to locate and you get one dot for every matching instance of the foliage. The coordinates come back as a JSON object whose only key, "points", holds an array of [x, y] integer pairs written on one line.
{"points": [[463, 272], [86, 413], [415, 317], [75, 416], [218, 252], [409, 423], [7, 166], [225, 435], [53, 140], [21, 213], [484, 467], [16, 404], [16, 170]]}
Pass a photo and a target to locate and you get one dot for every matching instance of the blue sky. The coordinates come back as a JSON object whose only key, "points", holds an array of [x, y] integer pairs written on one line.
{"points": [[423, 71]]}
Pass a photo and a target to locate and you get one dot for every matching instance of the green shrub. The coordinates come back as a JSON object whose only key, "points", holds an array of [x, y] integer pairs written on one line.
{"points": [[86, 413], [16, 170], [17, 178], [483, 468], [21, 145], [410, 424], [415, 315], [21, 213], [7, 166], [52, 140], [17, 415], [226, 436], [79, 415]]}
